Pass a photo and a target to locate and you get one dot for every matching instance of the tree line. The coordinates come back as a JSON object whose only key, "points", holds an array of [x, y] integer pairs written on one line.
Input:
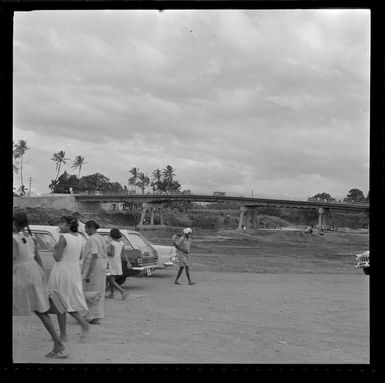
{"points": [[354, 195], [139, 182], [160, 180]]}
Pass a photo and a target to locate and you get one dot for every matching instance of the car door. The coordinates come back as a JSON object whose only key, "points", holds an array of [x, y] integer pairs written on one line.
{"points": [[45, 244]]}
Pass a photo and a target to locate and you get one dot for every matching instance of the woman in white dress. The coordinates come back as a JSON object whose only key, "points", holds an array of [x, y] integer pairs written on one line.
{"points": [[30, 293], [115, 253], [66, 275]]}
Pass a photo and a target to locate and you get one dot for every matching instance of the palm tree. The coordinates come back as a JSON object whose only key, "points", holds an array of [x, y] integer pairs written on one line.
{"points": [[18, 152], [78, 163], [22, 190], [60, 160], [53, 184], [168, 175], [143, 181], [15, 159], [157, 179], [133, 180]]}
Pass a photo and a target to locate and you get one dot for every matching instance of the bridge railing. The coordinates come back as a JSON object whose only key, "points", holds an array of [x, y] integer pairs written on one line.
{"points": [[287, 197]]}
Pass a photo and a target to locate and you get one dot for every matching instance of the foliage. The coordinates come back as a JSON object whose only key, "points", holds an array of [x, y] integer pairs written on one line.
{"points": [[133, 180], [22, 191], [19, 150], [324, 197], [86, 184], [143, 182], [205, 221], [160, 181], [78, 163], [60, 160], [355, 195]]}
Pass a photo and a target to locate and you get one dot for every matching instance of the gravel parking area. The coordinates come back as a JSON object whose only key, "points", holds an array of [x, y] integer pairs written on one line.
{"points": [[225, 318]]}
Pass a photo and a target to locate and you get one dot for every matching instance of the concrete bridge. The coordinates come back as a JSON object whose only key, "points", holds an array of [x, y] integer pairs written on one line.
{"points": [[155, 203], [248, 205]]}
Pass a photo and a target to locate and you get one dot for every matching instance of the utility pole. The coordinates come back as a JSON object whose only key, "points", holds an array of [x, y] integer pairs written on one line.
{"points": [[29, 190]]}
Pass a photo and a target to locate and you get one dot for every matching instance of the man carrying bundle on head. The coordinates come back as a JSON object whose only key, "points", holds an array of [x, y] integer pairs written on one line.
{"points": [[183, 246]]}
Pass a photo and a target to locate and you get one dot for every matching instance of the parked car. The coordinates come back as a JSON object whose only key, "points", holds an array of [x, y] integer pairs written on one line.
{"points": [[142, 256], [363, 262], [140, 252], [166, 256], [46, 238]]}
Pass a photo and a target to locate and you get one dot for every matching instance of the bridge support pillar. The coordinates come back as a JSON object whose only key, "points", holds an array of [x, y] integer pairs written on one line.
{"points": [[252, 218], [241, 218], [161, 215], [151, 207], [248, 211], [322, 217], [142, 215]]}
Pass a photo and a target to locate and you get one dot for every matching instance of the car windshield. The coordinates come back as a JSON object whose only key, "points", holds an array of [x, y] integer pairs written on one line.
{"points": [[45, 241], [137, 241]]}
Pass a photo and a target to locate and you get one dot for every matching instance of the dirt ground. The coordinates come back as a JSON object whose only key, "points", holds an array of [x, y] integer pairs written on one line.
{"points": [[273, 296]]}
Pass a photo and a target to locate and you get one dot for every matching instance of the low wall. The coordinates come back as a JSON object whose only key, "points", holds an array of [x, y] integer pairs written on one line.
{"points": [[52, 202], [57, 201]]}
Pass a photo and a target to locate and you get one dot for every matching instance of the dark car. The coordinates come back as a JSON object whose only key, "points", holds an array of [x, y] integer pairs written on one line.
{"points": [[141, 254]]}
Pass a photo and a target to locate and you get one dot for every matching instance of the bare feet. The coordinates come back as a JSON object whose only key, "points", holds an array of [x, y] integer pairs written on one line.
{"points": [[93, 321], [84, 333], [177, 283], [191, 283], [58, 352]]}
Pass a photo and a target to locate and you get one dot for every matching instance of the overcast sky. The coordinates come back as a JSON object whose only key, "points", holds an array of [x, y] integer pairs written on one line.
{"points": [[274, 102]]}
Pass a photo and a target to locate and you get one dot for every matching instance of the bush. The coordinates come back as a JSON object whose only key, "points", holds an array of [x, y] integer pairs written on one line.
{"points": [[205, 221]]}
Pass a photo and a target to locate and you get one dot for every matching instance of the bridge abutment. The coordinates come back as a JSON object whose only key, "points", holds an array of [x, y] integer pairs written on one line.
{"points": [[247, 213], [322, 217], [151, 207]]}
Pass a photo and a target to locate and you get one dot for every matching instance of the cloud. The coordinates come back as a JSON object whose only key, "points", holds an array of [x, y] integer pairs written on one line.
{"points": [[229, 98]]}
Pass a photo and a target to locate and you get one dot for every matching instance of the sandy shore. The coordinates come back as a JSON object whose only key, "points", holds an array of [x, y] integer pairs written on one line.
{"points": [[227, 317]]}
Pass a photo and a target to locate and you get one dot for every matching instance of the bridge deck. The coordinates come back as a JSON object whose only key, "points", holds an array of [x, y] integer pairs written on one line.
{"points": [[243, 201]]}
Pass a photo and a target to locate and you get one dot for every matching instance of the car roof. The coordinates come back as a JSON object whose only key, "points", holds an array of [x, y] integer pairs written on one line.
{"points": [[105, 230], [54, 230], [44, 227]]}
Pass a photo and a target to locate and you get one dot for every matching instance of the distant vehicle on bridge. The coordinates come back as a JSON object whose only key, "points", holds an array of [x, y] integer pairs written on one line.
{"points": [[219, 193]]}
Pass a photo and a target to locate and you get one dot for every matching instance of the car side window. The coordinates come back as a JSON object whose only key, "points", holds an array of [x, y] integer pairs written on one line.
{"points": [[126, 243], [138, 242], [45, 241]]}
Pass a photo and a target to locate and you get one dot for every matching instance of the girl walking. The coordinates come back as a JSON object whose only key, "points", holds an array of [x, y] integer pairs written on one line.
{"points": [[94, 270], [30, 293], [66, 275], [115, 253]]}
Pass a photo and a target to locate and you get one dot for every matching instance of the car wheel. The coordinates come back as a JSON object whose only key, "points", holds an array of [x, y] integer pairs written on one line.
{"points": [[366, 270]]}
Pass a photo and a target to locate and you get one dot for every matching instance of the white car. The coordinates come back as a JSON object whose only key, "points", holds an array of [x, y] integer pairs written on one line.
{"points": [[166, 256], [142, 254], [363, 261], [46, 238]]}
